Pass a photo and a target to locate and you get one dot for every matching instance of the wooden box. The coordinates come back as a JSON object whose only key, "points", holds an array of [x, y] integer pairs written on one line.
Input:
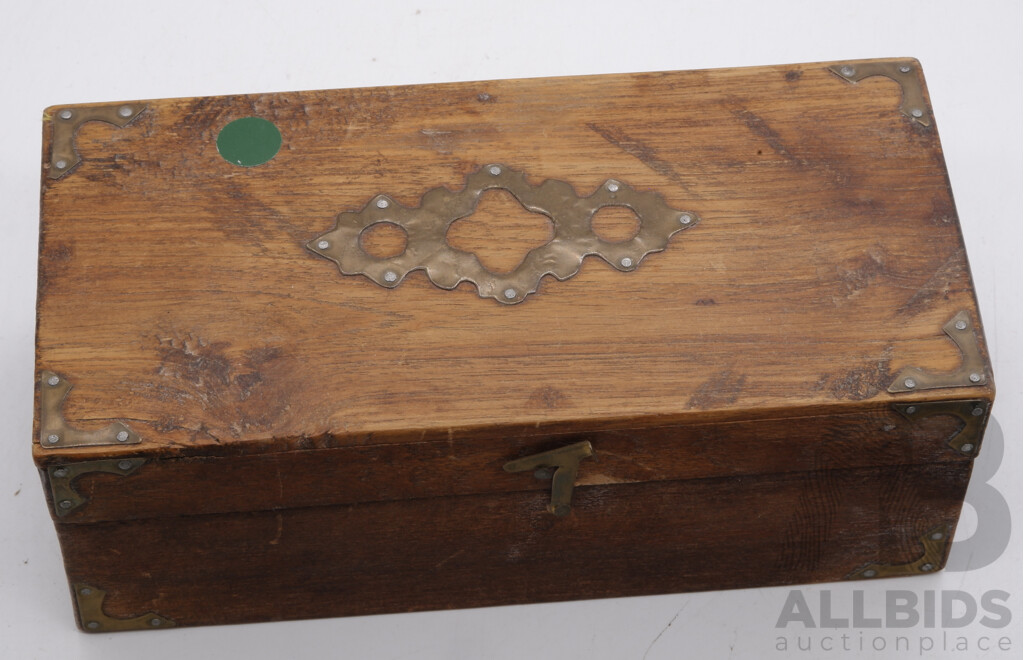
{"points": [[274, 382]]}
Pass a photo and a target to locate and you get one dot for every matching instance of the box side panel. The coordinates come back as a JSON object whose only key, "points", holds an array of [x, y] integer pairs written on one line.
{"points": [[619, 540], [90, 492]]}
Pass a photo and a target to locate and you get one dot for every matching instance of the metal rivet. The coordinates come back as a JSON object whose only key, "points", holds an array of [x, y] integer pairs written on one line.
{"points": [[926, 567], [60, 472], [937, 535], [888, 427], [323, 245], [53, 438], [52, 380], [86, 591], [122, 436], [917, 112], [125, 111], [847, 71], [975, 378], [911, 410], [155, 622], [960, 325], [904, 68], [612, 186], [382, 203], [967, 448], [390, 276], [92, 625], [543, 473], [510, 293], [870, 573], [626, 262], [65, 114], [65, 504], [124, 465], [686, 218], [910, 383], [495, 170], [978, 412], [61, 164]]}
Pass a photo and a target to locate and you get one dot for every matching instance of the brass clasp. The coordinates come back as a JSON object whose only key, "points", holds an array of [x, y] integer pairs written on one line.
{"points": [[566, 460]]}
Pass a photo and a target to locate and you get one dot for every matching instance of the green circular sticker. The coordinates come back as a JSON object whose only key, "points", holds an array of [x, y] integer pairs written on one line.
{"points": [[249, 141]]}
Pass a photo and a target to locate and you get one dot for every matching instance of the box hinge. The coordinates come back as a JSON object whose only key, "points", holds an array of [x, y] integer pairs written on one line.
{"points": [[972, 370], [65, 498], [54, 433], [90, 612]]}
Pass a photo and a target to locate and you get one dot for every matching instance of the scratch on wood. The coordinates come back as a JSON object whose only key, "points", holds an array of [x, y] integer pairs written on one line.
{"points": [[720, 390], [643, 152]]}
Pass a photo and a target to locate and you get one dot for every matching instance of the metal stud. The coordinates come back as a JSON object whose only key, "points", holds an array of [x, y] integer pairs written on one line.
{"points": [[626, 262], [60, 472], [155, 622], [390, 276], [685, 218], [86, 591], [975, 378], [847, 71], [125, 111], [960, 325], [124, 465], [65, 504], [61, 164], [911, 410], [612, 186], [870, 573], [927, 567], [937, 535], [917, 112], [910, 383], [967, 448], [382, 203], [323, 245], [122, 436], [510, 293], [65, 114], [904, 68], [53, 438], [495, 170], [92, 625], [978, 412], [52, 381]]}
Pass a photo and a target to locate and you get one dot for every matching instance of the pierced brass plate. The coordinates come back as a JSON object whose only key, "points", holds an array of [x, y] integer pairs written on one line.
{"points": [[65, 498], [905, 72], [972, 413], [90, 613], [934, 543], [63, 155], [567, 461], [971, 372], [427, 226], [54, 433]]}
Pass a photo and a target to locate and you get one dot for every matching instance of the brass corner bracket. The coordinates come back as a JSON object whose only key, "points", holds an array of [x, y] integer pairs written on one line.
{"points": [[566, 461], [90, 612], [426, 228], [54, 432], [970, 412], [63, 155], [971, 372], [905, 72], [934, 543], [65, 498]]}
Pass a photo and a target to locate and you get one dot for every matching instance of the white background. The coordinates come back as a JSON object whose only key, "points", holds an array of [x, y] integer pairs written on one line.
{"points": [[55, 52]]}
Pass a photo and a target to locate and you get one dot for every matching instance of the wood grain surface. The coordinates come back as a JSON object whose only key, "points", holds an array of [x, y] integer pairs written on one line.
{"points": [[440, 553], [176, 294]]}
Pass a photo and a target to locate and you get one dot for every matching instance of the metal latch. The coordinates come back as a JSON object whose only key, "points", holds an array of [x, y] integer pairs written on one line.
{"points": [[566, 461]]}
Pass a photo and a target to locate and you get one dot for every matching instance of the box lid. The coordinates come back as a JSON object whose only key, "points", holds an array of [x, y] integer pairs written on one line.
{"points": [[203, 292]]}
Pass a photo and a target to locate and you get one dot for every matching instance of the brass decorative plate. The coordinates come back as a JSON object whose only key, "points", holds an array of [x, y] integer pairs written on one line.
{"points": [[426, 228]]}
